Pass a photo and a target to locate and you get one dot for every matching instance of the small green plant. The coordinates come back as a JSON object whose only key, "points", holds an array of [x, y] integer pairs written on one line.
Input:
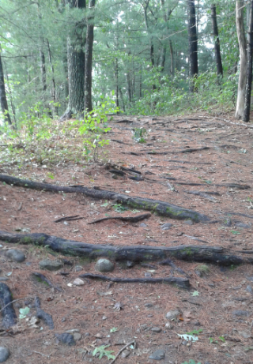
{"points": [[102, 352], [119, 208], [195, 332], [187, 337], [195, 293], [191, 361], [139, 135], [114, 329], [94, 126]]}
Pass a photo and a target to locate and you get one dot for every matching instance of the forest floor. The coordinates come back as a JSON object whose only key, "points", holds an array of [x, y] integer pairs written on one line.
{"points": [[175, 166]]}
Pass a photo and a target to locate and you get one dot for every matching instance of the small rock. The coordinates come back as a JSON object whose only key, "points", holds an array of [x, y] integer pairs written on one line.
{"points": [[249, 289], [168, 325], [50, 264], [98, 336], [78, 282], [157, 355], [71, 331], [77, 336], [242, 225], [78, 268], [241, 313], [142, 224], [66, 339], [148, 275], [156, 329], [188, 222], [149, 305], [125, 354], [4, 354], [166, 226], [172, 315], [104, 265], [15, 255], [245, 334]]}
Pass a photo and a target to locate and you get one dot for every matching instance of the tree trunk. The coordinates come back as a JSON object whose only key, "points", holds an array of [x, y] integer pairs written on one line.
{"points": [[216, 42], [53, 92], [88, 60], [246, 115], [193, 44], [243, 59], [4, 104], [76, 66], [172, 62]]}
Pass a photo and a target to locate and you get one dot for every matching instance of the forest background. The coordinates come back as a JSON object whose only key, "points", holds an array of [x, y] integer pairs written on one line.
{"points": [[148, 57]]}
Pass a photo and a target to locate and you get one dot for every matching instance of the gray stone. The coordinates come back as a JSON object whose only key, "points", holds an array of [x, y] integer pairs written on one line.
{"points": [[125, 354], [241, 313], [50, 264], [142, 224], [245, 334], [4, 354], [157, 355], [172, 315], [66, 338], [78, 268], [166, 226], [156, 329], [15, 255], [249, 289], [77, 336], [104, 265], [149, 305], [188, 222], [242, 225]]}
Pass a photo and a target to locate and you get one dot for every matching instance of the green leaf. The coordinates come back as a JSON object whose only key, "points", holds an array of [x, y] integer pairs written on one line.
{"points": [[114, 329], [235, 232], [102, 352], [195, 293]]}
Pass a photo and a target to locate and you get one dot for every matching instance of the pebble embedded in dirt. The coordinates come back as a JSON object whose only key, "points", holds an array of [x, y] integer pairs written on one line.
{"points": [[104, 265], [241, 313], [4, 354], [66, 339], [156, 329], [242, 225], [15, 255], [166, 226], [157, 355], [249, 289], [172, 315], [50, 264], [78, 282], [125, 354], [78, 268]]}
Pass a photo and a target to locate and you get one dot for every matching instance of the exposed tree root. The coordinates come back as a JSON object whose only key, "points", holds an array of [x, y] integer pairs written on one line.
{"points": [[160, 207], [180, 282], [8, 312], [139, 253]]}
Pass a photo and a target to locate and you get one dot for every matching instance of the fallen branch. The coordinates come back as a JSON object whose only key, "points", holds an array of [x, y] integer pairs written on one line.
{"points": [[42, 278], [180, 282], [122, 218], [160, 207], [41, 314], [137, 253], [122, 349]]}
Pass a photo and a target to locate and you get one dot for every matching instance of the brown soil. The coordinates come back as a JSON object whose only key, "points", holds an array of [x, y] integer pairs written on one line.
{"points": [[90, 308]]}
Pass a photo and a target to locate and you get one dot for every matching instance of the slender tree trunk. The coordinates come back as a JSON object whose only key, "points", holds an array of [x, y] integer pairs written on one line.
{"points": [[122, 99], [88, 61], [172, 61], [193, 44], [163, 58], [243, 59], [76, 65], [4, 104], [117, 81], [129, 91], [246, 115], [11, 100], [53, 92], [216, 42]]}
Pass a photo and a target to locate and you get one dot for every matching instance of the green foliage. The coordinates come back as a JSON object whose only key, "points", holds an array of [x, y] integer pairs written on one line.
{"points": [[139, 135], [100, 351], [119, 208], [94, 126], [191, 361], [23, 312], [195, 332]]}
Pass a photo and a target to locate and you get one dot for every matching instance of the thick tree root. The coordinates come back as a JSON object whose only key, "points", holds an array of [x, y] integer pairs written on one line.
{"points": [[139, 253], [180, 282], [160, 207], [8, 312]]}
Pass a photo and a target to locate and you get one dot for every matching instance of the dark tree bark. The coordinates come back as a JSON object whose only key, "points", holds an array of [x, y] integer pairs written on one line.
{"points": [[246, 115], [4, 104], [88, 60], [172, 60], [216, 42], [76, 65], [193, 44], [53, 91], [243, 59]]}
